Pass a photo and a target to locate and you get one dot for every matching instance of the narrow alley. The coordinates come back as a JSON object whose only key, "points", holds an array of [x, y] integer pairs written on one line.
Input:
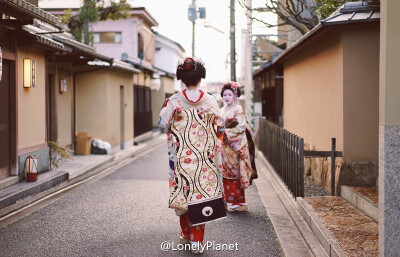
{"points": [[126, 214]]}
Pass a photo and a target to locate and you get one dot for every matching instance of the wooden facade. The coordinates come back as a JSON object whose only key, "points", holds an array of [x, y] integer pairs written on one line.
{"points": [[269, 91]]}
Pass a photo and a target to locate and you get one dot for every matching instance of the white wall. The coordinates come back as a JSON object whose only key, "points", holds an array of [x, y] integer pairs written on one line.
{"points": [[167, 56], [129, 30]]}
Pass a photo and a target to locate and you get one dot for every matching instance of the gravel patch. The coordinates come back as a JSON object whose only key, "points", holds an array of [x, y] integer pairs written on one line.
{"points": [[311, 189]]}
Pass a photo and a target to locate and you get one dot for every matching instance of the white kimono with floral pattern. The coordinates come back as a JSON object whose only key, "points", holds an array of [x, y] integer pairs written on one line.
{"points": [[235, 151], [190, 141]]}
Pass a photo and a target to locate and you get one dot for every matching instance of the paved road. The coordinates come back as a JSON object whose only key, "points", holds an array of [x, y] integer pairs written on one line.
{"points": [[126, 214]]}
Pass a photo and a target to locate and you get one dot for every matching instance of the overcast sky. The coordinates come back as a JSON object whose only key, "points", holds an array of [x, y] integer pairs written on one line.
{"points": [[212, 46]]}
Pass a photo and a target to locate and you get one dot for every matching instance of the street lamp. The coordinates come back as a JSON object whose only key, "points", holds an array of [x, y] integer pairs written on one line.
{"points": [[192, 16]]}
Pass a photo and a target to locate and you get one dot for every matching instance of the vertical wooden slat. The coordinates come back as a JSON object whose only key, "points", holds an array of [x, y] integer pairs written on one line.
{"points": [[295, 170], [333, 166], [284, 164], [290, 174], [301, 167]]}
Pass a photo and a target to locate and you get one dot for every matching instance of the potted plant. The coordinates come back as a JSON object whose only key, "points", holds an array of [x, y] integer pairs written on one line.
{"points": [[58, 152]]}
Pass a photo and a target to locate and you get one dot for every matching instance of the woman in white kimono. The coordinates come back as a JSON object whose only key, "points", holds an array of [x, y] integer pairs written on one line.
{"points": [[237, 150], [192, 120]]}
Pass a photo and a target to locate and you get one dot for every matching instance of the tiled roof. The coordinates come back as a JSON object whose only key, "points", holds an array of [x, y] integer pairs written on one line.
{"points": [[80, 47], [42, 38], [33, 11], [353, 12]]}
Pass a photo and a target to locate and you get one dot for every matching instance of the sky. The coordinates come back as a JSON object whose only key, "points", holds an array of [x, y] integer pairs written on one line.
{"points": [[212, 46]]}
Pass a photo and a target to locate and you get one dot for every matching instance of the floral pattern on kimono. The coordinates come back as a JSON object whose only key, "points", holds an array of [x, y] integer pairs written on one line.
{"points": [[235, 151], [173, 112]]}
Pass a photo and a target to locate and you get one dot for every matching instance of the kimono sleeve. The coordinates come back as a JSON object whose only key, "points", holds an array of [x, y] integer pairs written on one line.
{"points": [[236, 137], [166, 114], [238, 129]]}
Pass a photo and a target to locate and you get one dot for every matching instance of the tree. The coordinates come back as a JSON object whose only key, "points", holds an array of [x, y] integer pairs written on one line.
{"points": [[326, 7], [302, 15], [91, 11]]}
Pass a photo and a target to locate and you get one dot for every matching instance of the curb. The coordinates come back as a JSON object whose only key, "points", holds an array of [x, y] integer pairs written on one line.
{"points": [[285, 208], [328, 242], [22, 190], [361, 202]]}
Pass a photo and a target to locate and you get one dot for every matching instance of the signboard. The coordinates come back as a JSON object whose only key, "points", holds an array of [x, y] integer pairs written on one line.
{"points": [[1, 64], [33, 73]]}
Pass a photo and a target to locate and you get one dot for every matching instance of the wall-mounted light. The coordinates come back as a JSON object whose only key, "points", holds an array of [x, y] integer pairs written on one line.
{"points": [[63, 85], [29, 73]]}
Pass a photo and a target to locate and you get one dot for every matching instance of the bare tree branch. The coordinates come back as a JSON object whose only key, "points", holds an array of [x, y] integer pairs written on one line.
{"points": [[296, 13]]}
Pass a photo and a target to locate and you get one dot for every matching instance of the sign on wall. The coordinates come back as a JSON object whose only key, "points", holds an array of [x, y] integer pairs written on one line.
{"points": [[1, 64], [33, 73]]}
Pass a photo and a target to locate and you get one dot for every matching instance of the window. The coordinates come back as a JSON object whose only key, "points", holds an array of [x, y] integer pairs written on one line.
{"points": [[140, 46], [107, 37]]}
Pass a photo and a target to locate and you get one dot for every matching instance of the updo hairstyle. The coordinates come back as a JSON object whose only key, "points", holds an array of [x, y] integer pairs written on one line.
{"points": [[190, 71], [233, 86]]}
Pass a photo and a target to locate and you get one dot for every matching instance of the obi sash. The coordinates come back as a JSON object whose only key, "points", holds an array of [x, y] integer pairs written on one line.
{"points": [[197, 182]]}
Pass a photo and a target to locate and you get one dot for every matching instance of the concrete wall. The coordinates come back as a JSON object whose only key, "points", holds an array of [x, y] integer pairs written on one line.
{"points": [[31, 101], [389, 130], [313, 92], [115, 81], [361, 92], [142, 79], [157, 100], [168, 85], [98, 107], [158, 97], [65, 102], [91, 104]]}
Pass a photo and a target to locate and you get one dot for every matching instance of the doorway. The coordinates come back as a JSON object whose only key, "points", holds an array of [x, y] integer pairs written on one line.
{"points": [[5, 136], [122, 113]]}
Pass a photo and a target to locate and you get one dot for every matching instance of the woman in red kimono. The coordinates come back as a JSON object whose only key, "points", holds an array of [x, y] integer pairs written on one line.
{"points": [[190, 118], [237, 150]]}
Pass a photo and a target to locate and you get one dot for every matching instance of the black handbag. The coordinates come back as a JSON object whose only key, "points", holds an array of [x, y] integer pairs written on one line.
{"points": [[205, 211]]}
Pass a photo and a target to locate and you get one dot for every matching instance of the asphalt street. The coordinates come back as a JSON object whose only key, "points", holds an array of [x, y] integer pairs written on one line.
{"points": [[126, 214]]}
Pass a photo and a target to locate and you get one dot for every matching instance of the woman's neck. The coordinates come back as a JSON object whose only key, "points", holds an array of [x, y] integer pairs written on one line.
{"points": [[230, 106], [193, 94]]}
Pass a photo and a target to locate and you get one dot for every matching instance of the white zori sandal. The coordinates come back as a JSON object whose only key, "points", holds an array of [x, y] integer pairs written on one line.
{"points": [[196, 248], [239, 207]]}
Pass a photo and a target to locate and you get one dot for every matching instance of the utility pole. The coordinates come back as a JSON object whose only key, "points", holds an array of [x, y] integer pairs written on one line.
{"points": [[232, 38], [193, 28], [247, 59], [192, 16]]}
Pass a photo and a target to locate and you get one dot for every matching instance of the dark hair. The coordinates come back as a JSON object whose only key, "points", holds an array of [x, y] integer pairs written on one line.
{"points": [[190, 71], [228, 86]]}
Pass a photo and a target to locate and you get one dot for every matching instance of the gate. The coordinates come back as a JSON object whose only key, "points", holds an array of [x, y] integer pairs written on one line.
{"points": [[5, 121], [142, 110]]}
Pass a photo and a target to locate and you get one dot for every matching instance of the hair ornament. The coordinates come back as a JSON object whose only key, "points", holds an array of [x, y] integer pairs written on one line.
{"points": [[190, 66]]}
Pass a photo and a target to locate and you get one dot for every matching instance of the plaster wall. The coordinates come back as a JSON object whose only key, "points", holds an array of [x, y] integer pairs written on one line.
{"points": [[65, 102], [129, 44], [91, 104], [115, 81], [313, 92], [31, 101], [361, 92]]}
